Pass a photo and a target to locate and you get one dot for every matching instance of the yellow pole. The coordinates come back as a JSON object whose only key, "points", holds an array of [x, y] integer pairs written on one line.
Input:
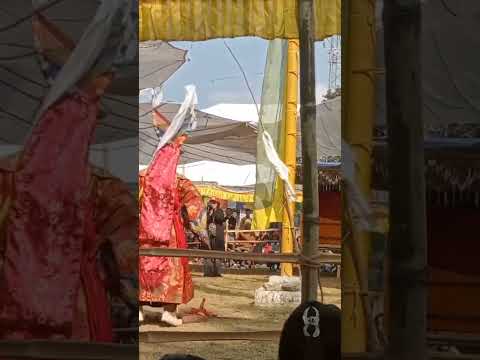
{"points": [[290, 148], [358, 112]]}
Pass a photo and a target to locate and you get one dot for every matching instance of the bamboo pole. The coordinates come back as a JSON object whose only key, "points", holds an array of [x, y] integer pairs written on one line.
{"points": [[66, 350], [358, 112], [212, 254], [162, 336], [407, 246], [308, 118], [290, 152]]}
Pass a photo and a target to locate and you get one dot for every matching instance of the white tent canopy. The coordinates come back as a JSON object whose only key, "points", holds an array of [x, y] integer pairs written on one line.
{"points": [[221, 173], [238, 112]]}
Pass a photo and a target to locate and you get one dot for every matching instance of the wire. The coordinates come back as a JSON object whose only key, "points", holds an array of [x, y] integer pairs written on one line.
{"points": [[448, 8], [23, 92], [30, 15], [30, 80], [23, 120], [16, 45], [192, 147], [114, 99], [246, 81], [18, 57], [160, 69], [110, 112], [119, 128], [216, 154]]}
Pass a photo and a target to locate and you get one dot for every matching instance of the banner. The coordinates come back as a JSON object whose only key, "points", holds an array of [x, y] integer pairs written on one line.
{"points": [[232, 196], [269, 188]]}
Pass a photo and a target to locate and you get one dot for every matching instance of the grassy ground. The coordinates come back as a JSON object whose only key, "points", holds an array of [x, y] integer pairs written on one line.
{"points": [[232, 299]]}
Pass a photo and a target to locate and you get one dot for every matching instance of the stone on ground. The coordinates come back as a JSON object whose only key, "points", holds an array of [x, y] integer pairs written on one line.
{"points": [[279, 290]]}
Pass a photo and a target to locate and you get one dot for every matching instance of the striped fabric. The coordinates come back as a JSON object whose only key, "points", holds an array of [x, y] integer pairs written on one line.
{"points": [[196, 20]]}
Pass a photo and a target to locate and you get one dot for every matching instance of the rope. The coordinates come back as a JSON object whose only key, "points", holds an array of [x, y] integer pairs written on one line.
{"points": [[300, 259], [156, 337], [432, 356]]}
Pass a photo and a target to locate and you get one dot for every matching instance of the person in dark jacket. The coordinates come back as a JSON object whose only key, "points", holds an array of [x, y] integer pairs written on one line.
{"points": [[313, 331], [216, 230]]}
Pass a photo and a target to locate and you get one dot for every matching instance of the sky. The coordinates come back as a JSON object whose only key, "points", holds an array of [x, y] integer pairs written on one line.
{"points": [[212, 69]]}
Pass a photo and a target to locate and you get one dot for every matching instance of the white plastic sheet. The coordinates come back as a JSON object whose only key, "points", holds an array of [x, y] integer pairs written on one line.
{"points": [[279, 165], [187, 108], [358, 205]]}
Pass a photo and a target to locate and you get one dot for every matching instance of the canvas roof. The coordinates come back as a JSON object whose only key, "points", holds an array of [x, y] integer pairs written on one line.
{"points": [[215, 139], [22, 86], [450, 61]]}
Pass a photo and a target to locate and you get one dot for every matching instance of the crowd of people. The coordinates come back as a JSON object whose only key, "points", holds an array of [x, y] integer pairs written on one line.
{"points": [[226, 233]]}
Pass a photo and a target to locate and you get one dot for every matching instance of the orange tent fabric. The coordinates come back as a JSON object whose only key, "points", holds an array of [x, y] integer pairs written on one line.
{"points": [[330, 217]]}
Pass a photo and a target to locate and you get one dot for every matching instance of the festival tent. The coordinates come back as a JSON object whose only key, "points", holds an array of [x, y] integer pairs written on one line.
{"points": [[451, 102], [158, 61], [224, 140], [215, 138], [222, 173], [22, 85], [238, 112], [450, 58], [328, 132]]}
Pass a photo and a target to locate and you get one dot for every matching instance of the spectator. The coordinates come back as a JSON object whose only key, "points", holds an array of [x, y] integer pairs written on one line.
{"points": [[246, 222], [216, 230], [231, 219], [313, 331]]}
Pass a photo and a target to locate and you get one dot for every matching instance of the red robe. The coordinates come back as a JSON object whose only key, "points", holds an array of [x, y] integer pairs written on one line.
{"points": [[165, 279], [56, 213]]}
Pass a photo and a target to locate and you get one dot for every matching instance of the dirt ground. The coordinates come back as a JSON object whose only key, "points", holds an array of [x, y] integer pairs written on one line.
{"points": [[232, 299]]}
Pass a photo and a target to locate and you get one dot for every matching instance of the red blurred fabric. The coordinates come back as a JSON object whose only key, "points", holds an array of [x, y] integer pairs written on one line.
{"points": [[163, 279], [453, 240], [50, 239], [330, 208]]}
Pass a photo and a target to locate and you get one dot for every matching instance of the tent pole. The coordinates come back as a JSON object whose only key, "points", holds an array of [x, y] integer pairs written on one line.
{"points": [[407, 247], [358, 113], [308, 117], [290, 152]]}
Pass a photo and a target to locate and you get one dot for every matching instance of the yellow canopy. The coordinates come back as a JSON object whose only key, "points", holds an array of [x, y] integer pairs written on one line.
{"points": [[196, 20], [225, 194]]}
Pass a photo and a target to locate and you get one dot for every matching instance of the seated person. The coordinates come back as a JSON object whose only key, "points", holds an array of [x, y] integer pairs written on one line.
{"points": [[246, 222], [313, 331]]}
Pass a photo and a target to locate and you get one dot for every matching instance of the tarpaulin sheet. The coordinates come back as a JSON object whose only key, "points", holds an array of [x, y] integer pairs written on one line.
{"points": [[23, 85], [449, 59], [215, 138]]}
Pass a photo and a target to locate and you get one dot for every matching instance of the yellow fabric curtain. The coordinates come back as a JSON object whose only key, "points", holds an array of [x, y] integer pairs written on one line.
{"points": [[197, 20]]}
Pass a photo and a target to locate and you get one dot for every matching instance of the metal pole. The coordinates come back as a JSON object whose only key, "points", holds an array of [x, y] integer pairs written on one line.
{"points": [[407, 246], [308, 117]]}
